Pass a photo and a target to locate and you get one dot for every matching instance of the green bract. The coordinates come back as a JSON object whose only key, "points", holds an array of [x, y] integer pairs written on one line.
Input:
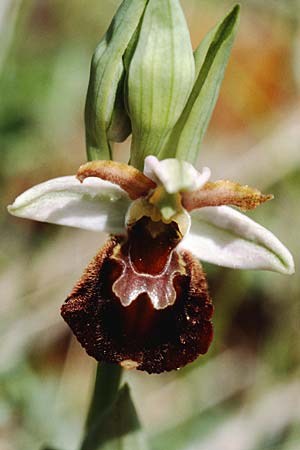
{"points": [[109, 432], [160, 78], [145, 79], [211, 58], [105, 115]]}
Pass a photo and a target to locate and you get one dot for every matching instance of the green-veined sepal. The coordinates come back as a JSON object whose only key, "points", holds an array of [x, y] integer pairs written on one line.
{"points": [[223, 236], [95, 204]]}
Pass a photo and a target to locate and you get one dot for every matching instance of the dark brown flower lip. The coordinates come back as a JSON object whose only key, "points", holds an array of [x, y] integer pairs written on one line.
{"points": [[138, 335]]}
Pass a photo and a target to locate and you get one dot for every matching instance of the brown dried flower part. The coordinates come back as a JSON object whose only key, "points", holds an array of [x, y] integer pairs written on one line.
{"points": [[134, 182], [140, 335], [224, 193]]}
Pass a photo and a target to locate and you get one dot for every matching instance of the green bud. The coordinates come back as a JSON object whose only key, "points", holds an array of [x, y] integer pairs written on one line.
{"points": [[160, 77], [105, 115]]}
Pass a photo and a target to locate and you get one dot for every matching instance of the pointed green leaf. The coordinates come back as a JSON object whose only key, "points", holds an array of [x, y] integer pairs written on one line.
{"points": [[118, 428], [105, 115], [160, 78], [211, 58]]}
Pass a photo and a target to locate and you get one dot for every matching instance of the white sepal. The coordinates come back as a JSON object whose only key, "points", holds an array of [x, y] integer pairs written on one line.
{"points": [[95, 204], [174, 175], [223, 236]]}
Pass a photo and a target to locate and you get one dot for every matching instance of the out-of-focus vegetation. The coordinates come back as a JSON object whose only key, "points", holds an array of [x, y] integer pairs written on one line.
{"points": [[245, 393]]}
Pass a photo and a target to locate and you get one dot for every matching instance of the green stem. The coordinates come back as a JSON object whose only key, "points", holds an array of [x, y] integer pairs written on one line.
{"points": [[107, 382]]}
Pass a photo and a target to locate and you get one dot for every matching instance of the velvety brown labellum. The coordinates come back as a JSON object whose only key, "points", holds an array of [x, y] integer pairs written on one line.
{"points": [[139, 335]]}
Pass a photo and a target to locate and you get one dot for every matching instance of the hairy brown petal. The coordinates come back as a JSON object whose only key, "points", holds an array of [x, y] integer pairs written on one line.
{"points": [[134, 182], [139, 335], [224, 193]]}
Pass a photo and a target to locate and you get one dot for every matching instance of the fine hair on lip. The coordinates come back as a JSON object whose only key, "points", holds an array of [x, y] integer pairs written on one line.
{"points": [[156, 340]]}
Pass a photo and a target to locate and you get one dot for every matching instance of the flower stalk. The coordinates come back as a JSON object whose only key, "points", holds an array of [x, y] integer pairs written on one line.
{"points": [[107, 383]]}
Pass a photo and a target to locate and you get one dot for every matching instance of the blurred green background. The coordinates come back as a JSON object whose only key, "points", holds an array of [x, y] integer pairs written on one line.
{"points": [[245, 393]]}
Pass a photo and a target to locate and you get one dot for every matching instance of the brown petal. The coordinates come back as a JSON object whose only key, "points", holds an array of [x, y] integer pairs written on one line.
{"points": [[134, 182], [139, 335], [224, 193]]}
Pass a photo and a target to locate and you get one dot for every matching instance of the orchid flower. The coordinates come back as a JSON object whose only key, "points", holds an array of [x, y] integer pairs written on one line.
{"points": [[143, 301]]}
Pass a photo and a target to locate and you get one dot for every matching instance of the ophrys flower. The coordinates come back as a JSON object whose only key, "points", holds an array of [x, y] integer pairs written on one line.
{"points": [[143, 301]]}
